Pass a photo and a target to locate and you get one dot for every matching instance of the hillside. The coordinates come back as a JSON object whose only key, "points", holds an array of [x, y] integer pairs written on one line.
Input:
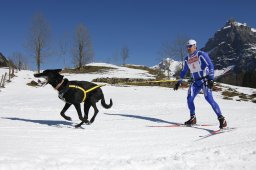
{"points": [[3, 61], [235, 45], [34, 135]]}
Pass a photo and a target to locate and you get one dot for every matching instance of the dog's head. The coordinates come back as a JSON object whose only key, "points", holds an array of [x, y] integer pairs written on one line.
{"points": [[52, 77]]}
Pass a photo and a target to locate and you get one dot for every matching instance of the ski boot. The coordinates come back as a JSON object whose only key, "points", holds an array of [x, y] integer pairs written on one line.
{"points": [[223, 122], [191, 121]]}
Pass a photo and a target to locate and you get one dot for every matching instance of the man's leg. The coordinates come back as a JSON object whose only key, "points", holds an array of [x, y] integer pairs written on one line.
{"points": [[215, 106], [211, 101], [192, 92]]}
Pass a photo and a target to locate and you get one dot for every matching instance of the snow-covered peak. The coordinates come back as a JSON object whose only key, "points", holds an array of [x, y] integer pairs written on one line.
{"points": [[240, 24], [169, 65], [232, 22]]}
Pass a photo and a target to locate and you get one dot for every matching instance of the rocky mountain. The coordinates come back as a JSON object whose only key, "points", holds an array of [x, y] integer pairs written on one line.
{"points": [[3, 61], [234, 45]]}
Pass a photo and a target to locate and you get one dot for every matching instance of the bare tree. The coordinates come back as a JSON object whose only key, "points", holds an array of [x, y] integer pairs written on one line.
{"points": [[83, 49], [167, 64], [115, 57], [175, 50], [124, 54], [179, 47], [63, 49], [39, 38], [19, 60], [166, 51]]}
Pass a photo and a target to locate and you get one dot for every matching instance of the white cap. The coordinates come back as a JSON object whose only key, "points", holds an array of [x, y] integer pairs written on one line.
{"points": [[191, 42]]}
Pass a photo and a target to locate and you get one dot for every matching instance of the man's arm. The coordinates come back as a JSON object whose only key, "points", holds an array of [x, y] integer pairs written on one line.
{"points": [[206, 59], [210, 75]]}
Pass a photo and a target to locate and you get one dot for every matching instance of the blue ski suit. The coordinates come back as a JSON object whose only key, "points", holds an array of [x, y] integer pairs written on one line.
{"points": [[201, 69]]}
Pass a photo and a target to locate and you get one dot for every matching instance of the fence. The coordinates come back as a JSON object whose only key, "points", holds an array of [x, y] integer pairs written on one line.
{"points": [[3, 80], [4, 77]]}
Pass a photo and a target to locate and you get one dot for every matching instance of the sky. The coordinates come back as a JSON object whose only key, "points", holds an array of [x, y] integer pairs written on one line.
{"points": [[140, 25]]}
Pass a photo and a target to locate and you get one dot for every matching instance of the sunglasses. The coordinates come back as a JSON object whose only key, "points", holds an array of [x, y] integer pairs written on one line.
{"points": [[189, 46]]}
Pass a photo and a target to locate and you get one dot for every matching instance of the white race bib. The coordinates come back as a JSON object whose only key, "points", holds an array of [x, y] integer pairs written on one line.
{"points": [[194, 64]]}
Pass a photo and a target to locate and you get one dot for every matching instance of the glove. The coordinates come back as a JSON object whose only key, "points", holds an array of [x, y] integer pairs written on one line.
{"points": [[176, 86], [210, 84]]}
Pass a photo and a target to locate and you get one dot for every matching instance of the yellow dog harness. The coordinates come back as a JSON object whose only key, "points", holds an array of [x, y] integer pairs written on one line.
{"points": [[85, 91]]}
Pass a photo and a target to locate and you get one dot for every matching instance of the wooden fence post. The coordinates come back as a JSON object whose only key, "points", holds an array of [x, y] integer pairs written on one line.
{"points": [[9, 73], [3, 82]]}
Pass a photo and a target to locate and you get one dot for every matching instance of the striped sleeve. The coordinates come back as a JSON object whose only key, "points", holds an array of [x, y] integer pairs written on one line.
{"points": [[207, 61]]}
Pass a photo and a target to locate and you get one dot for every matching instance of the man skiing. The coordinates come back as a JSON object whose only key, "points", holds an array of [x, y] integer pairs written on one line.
{"points": [[202, 74]]}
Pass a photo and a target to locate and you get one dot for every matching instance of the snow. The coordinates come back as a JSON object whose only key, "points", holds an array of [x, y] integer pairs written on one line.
{"points": [[253, 29], [218, 73], [3, 71], [117, 72], [236, 24], [253, 47], [173, 65], [34, 136], [223, 42], [240, 24], [226, 27]]}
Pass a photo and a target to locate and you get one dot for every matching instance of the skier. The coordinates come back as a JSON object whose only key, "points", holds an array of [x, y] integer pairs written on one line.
{"points": [[202, 74]]}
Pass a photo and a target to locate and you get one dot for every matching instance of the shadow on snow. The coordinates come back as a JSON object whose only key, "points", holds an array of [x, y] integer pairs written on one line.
{"points": [[156, 120], [152, 119], [42, 122]]}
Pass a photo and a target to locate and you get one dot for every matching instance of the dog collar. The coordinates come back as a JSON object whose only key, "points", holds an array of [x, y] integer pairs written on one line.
{"points": [[58, 86]]}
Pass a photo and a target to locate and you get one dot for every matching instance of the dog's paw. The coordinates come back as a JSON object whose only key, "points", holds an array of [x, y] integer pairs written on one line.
{"points": [[92, 120], [85, 120], [78, 125], [68, 118], [88, 123]]}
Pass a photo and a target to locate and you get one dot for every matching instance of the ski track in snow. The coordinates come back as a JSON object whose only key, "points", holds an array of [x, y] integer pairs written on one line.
{"points": [[34, 136]]}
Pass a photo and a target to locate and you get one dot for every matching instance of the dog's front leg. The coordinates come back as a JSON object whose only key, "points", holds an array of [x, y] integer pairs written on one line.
{"points": [[62, 113], [78, 109], [96, 111], [84, 120]]}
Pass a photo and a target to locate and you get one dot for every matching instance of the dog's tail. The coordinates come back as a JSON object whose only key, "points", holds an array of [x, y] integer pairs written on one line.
{"points": [[107, 106]]}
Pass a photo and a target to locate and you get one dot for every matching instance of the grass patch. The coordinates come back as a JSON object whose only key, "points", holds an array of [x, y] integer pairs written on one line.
{"points": [[230, 93], [227, 98], [33, 84]]}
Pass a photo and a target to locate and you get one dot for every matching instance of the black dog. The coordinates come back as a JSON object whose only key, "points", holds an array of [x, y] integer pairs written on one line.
{"points": [[75, 92]]}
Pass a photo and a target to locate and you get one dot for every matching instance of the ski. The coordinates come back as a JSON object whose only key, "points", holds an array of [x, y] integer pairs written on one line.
{"points": [[218, 131], [181, 125]]}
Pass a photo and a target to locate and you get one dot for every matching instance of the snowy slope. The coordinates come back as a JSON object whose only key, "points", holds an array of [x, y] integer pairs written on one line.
{"points": [[117, 72], [34, 136], [3, 71]]}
